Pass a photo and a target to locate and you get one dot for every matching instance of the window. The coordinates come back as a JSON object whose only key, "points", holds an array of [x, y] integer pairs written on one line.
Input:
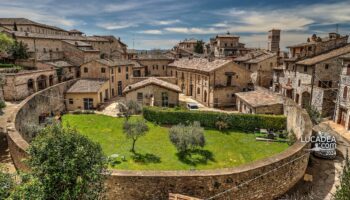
{"points": [[198, 90], [71, 101], [163, 67], [171, 73], [345, 92], [57, 49], [103, 70], [299, 82], [127, 68], [86, 70], [126, 76], [140, 96], [112, 79], [112, 71], [326, 66], [165, 99], [70, 69], [119, 70], [229, 81], [348, 70], [305, 68]]}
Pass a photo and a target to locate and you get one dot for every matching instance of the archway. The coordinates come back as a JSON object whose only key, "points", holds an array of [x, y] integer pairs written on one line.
{"points": [[41, 81], [305, 99]]}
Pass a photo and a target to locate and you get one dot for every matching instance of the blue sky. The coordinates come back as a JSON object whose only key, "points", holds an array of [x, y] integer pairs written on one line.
{"points": [[151, 24]]}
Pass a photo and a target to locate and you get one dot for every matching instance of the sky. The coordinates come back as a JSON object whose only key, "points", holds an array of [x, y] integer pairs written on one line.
{"points": [[150, 24]]}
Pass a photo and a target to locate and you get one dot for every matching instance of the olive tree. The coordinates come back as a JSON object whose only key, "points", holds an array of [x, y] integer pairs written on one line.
{"points": [[130, 108], [66, 164], [187, 137], [134, 130]]}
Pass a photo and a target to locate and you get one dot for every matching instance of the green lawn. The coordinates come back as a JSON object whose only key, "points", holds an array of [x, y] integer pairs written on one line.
{"points": [[155, 151]]}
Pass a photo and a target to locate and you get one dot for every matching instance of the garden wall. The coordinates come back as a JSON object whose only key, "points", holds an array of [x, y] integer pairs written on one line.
{"points": [[42, 103], [263, 179]]}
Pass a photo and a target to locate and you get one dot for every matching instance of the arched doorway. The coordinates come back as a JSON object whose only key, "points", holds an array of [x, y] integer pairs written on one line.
{"points": [[305, 99], [41, 82]]}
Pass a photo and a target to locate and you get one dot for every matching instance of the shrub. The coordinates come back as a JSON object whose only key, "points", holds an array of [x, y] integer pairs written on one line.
{"points": [[187, 137], [67, 164], [292, 138], [246, 122], [343, 189], [130, 108], [6, 184], [2, 105]]}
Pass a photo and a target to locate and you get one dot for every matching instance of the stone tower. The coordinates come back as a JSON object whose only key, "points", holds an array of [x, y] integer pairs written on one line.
{"points": [[274, 40]]}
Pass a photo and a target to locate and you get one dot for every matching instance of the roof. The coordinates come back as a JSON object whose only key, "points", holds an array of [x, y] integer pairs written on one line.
{"points": [[57, 37], [24, 21], [324, 39], [152, 81], [262, 58], [259, 98], [200, 64], [75, 31], [78, 43], [346, 57], [86, 86], [60, 63], [227, 36], [115, 62], [189, 41], [111, 38], [153, 57], [325, 56], [254, 56]]}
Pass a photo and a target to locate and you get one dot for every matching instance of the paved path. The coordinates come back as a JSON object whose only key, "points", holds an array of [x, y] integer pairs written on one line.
{"points": [[5, 157]]}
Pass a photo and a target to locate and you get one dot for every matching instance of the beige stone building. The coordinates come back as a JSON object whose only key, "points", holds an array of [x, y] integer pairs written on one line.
{"points": [[274, 38], [259, 102], [78, 52], [117, 72], [226, 45], [154, 64], [260, 63], [342, 111], [212, 83], [87, 94], [153, 92], [64, 70], [19, 84], [311, 74]]}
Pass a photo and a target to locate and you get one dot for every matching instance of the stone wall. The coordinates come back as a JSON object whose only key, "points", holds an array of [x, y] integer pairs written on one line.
{"points": [[263, 179], [27, 113]]}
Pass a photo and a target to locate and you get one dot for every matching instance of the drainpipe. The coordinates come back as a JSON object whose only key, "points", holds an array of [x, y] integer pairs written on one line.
{"points": [[312, 83]]}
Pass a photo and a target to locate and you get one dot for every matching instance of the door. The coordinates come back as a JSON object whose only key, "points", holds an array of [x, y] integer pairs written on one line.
{"points": [[88, 103], [191, 90], [165, 99], [120, 88]]}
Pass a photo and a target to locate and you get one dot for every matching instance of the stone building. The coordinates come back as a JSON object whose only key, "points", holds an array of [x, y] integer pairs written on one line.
{"points": [[274, 37], [26, 25], [20, 84], [154, 64], [187, 44], [310, 75], [153, 92], [259, 102], [64, 70], [342, 114], [117, 72], [226, 45], [212, 83], [78, 52], [87, 94], [260, 63]]}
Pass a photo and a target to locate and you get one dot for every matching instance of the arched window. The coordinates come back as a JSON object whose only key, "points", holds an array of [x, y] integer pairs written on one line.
{"points": [[30, 84], [345, 92]]}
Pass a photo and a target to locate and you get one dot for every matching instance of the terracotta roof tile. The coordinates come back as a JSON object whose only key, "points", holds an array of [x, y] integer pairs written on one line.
{"points": [[259, 98], [200, 64], [86, 86], [152, 81]]}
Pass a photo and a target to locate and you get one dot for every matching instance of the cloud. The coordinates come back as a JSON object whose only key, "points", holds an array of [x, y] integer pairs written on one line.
{"points": [[151, 32], [121, 7], [156, 43], [165, 22], [116, 25]]}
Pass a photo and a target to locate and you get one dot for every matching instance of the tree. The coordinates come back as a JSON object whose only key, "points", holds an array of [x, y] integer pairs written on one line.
{"points": [[314, 114], [198, 48], [343, 190], [5, 42], [2, 105], [19, 50], [6, 184], [130, 108], [66, 164], [134, 130], [187, 137]]}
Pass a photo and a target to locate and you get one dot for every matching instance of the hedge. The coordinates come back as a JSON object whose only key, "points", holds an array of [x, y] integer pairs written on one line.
{"points": [[208, 119], [6, 65]]}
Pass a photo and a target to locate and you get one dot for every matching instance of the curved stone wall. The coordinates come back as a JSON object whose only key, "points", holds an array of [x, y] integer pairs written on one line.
{"points": [[262, 179]]}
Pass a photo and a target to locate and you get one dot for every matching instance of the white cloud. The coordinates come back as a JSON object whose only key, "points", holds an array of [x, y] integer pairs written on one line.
{"points": [[156, 43], [115, 25], [151, 32], [121, 7], [165, 22]]}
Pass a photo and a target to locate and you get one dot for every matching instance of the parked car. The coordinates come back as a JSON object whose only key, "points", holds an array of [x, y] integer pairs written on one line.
{"points": [[192, 106]]}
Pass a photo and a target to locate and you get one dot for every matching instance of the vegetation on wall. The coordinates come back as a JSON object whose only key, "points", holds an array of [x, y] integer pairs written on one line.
{"points": [[19, 50], [5, 42], [198, 48], [343, 189], [246, 122]]}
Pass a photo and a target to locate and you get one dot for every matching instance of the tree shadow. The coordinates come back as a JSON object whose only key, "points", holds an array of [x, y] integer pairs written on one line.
{"points": [[195, 156], [145, 158]]}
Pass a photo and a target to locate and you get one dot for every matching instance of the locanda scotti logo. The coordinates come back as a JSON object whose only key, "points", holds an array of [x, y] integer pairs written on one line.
{"points": [[321, 141]]}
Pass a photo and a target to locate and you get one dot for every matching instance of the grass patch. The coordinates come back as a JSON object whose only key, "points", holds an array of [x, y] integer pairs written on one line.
{"points": [[154, 151]]}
